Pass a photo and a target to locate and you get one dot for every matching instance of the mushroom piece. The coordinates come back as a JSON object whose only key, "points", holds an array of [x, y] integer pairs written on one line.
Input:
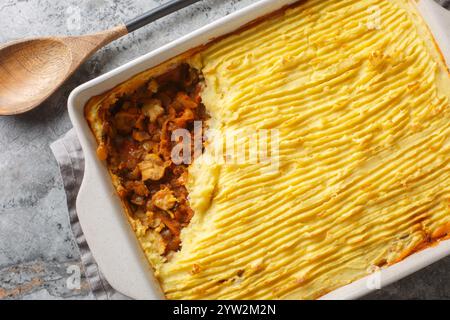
{"points": [[124, 121], [185, 101], [138, 187], [153, 86]]}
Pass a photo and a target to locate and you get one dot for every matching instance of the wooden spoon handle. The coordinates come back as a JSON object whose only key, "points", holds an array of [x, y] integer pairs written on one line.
{"points": [[157, 13]]}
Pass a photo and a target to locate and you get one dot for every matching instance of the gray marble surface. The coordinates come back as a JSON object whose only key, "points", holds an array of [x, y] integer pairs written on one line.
{"points": [[37, 251]]}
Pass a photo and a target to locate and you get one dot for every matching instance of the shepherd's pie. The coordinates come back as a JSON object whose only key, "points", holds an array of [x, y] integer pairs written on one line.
{"points": [[359, 95]]}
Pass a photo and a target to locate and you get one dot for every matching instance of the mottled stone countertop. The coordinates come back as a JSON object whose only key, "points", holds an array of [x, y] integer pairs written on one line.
{"points": [[37, 250]]}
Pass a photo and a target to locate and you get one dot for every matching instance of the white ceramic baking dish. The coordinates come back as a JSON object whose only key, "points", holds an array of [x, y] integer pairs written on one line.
{"points": [[108, 234]]}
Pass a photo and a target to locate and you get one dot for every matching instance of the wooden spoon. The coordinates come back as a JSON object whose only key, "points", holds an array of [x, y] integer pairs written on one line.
{"points": [[31, 70]]}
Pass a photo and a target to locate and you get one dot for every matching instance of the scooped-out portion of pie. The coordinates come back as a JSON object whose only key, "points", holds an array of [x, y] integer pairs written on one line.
{"points": [[352, 97]]}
